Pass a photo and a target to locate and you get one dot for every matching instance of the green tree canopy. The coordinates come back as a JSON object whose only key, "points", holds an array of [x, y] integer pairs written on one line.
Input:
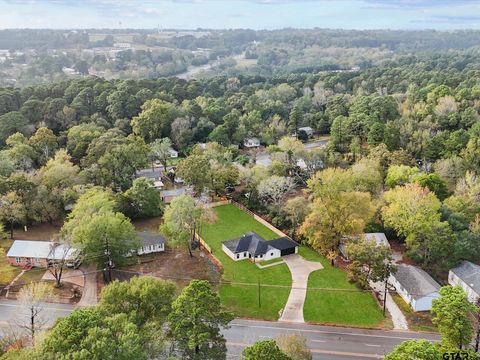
{"points": [[195, 321]]}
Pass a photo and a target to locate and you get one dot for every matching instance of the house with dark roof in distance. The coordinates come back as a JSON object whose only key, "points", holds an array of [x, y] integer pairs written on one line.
{"points": [[151, 243], [466, 275], [253, 246], [415, 286]]}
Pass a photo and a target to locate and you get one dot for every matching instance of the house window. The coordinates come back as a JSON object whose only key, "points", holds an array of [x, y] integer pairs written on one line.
{"points": [[238, 256], [18, 260], [37, 260], [271, 254]]}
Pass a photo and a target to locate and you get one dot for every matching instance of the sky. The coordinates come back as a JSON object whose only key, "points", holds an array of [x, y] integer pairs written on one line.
{"points": [[253, 14]]}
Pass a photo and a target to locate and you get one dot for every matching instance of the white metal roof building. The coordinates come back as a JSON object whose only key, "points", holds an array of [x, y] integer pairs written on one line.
{"points": [[41, 249]]}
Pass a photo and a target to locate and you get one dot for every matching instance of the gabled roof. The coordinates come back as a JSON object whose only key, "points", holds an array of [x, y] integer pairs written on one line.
{"points": [[42, 249], [469, 273], [150, 173], [415, 281], [379, 238], [29, 248], [149, 238], [254, 244], [250, 241], [283, 243]]}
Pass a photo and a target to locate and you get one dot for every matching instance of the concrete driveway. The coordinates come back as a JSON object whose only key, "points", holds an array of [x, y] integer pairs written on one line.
{"points": [[300, 270], [69, 275], [89, 296]]}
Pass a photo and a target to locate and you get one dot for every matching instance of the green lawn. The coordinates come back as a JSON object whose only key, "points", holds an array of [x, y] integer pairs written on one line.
{"points": [[243, 299], [336, 306], [7, 271]]}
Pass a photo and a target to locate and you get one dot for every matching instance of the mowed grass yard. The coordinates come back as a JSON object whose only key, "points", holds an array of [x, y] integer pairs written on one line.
{"points": [[243, 299], [7, 271], [349, 307]]}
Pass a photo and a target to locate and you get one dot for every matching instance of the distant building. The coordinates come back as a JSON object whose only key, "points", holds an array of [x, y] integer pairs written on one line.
{"points": [[173, 153], [253, 246], [151, 243], [307, 129], [122, 45], [29, 253], [158, 184], [168, 195], [251, 142], [415, 286], [466, 275], [69, 71], [379, 238]]}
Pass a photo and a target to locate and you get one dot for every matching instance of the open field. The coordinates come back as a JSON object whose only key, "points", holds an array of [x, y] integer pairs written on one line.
{"points": [[243, 299]]}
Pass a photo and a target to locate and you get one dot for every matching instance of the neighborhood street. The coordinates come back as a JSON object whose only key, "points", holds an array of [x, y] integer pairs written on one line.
{"points": [[325, 342]]}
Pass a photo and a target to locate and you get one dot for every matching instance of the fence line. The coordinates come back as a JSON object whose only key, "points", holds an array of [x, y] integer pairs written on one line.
{"points": [[259, 219], [209, 250]]}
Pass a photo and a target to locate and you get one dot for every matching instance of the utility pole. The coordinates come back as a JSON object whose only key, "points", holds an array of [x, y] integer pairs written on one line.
{"points": [[259, 294], [385, 295], [109, 261], [477, 337]]}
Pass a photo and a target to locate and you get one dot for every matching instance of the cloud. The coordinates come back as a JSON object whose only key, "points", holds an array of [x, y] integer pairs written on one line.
{"points": [[449, 19]]}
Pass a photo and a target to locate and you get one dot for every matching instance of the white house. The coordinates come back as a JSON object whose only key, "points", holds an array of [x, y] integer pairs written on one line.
{"points": [[251, 142], [151, 243], [307, 129], [466, 275], [379, 238], [173, 153], [415, 286], [253, 246]]}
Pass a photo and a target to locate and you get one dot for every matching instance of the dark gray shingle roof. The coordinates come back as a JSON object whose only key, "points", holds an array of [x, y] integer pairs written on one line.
{"points": [[469, 273], [250, 241], [256, 245], [149, 238], [415, 281], [282, 243]]}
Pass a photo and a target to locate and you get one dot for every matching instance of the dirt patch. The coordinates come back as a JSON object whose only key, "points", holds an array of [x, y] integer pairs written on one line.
{"points": [[173, 264], [66, 294], [37, 232], [150, 224]]}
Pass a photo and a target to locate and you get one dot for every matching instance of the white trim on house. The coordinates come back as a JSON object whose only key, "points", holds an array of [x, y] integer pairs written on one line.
{"points": [[251, 142], [415, 286], [467, 276]]}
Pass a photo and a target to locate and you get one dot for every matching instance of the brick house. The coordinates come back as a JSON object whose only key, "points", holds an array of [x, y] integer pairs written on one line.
{"points": [[28, 253]]}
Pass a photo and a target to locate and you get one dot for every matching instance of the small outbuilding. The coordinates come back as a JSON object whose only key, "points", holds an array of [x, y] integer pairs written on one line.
{"points": [[251, 142], [307, 129], [379, 238]]}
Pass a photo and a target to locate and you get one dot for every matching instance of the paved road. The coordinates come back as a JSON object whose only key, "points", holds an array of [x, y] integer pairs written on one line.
{"points": [[13, 313], [325, 342]]}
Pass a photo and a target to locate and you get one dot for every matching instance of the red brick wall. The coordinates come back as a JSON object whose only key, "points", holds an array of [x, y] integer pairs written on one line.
{"points": [[28, 262]]}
